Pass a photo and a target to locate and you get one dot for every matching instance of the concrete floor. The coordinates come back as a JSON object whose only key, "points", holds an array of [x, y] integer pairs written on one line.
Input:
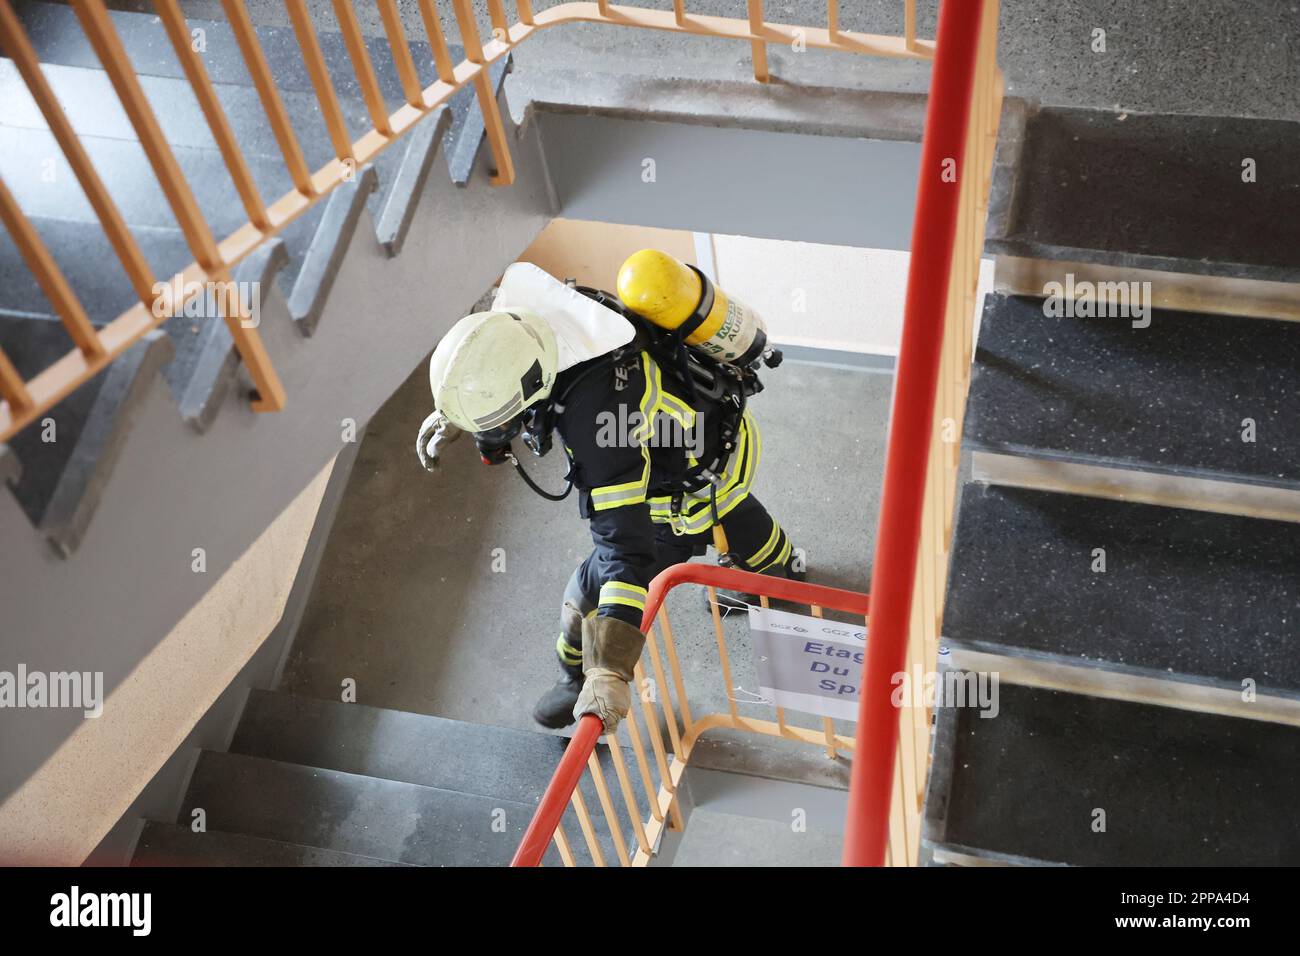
{"points": [[408, 605], [1217, 57]]}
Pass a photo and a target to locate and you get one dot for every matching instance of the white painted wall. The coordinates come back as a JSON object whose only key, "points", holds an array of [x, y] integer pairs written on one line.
{"points": [[842, 298], [822, 296]]}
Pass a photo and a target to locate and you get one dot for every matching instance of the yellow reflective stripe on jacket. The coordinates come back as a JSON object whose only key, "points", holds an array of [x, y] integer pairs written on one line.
{"points": [[628, 493], [738, 476], [619, 592], [649, 400], [697, 510], [657, 399], [674, 407]]}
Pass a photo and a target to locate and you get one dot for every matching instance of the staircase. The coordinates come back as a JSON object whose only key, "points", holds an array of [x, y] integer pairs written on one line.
{"points": [[1124, 559], [309, 782], [61, 481], [1127, 554]]}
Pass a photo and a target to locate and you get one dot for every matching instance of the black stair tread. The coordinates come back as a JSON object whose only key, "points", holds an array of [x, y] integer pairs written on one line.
{"points": [[1157, 191], [172, 844], [367, 816], [1171, 398], [1177, 787], [1195, 595]]}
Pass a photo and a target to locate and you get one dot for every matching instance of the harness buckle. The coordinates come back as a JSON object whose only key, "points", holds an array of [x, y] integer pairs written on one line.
{"points": [[675, 520]]}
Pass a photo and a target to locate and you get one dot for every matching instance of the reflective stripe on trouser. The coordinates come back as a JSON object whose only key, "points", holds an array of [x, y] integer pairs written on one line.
{"points": [[576, 606], [751, 532], [776, 550], [619, 592], [757, 542]]}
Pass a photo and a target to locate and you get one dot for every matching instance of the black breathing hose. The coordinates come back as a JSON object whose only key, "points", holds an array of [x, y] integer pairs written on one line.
{"points": [[538, 488]]}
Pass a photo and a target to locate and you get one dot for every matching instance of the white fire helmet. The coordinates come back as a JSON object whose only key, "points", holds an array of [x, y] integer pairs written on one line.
{"points": [[491, 366]]}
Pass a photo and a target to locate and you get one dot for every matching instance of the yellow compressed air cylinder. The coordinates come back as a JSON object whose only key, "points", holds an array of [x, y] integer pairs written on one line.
{"points": [[669, 293]]}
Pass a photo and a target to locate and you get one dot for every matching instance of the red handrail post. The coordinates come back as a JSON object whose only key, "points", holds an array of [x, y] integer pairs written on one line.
{"points": [[551, 809], [902, 499]]}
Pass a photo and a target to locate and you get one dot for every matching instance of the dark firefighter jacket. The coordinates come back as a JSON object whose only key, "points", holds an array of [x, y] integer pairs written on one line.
{"points": [[631, 436]]}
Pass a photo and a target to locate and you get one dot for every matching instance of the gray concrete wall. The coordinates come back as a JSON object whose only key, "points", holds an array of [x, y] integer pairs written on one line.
{"points": [[161, 799], [775, 185]]}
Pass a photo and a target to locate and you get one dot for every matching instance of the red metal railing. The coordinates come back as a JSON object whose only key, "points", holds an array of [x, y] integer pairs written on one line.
{"points": [[903, 496], [551, 808]]}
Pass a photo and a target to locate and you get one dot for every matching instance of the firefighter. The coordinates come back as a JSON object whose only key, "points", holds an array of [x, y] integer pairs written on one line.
{"points": [[661, 449]]}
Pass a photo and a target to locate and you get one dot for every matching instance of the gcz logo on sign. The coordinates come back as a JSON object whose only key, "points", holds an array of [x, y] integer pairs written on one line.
{"points": [[807, 663]]}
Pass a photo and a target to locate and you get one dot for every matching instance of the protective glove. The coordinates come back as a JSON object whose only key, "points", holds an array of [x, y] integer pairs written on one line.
{"points": [[435, 432], [610, 650]]}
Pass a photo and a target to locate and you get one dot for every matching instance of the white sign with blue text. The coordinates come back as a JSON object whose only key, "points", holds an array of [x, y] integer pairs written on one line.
{"points": [[807, 663]]}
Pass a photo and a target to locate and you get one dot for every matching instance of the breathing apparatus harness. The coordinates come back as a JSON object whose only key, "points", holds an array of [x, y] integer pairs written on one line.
{"points": [[727, 385]]}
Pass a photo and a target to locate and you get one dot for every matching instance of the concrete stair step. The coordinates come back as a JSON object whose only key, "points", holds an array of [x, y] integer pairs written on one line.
{"points": [[140, 199], [737, 818], [494, 762], [62, 479], [92, 107], [351, 813], [714, 839], [171, 844], [87, 260], [304, 258], [56, 35], [1176, 788], [771, 758], [398, 745], [1150, 191], [66, 457], [1195, 409], [1191, 608]]}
